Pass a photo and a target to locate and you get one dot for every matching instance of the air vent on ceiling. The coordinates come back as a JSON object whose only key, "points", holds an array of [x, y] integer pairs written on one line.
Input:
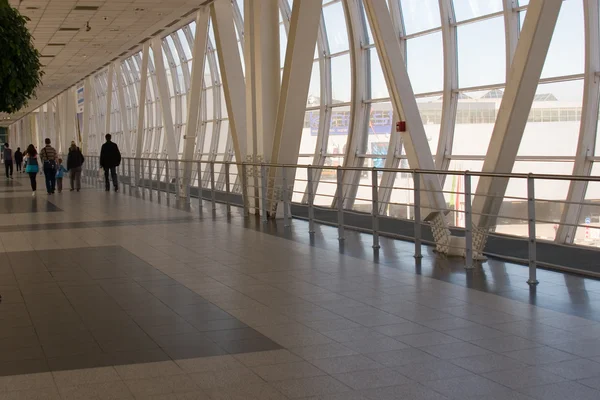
{"points": [[68, 29], [144, 40], [56, 44], [122, 54], [46, 56], [157, 32], [85, 8], [193, 10], [173, 23], [132, 47], [32, 8]]}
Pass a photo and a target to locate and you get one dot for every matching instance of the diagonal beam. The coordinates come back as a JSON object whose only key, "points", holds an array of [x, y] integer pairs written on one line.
{"points": [[514, 110], [125, 126], [589, 125], [403, 99], [194, 95]]}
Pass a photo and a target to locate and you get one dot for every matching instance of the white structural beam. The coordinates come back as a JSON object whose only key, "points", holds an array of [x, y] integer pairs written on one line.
{"points": [[513, 113], [125, 125], [589, 125], [450, 93], [139, 144], [165, 99], [109, 86], [232, 75], [359, 110], [195, 93], [302, 39], [262, 58], [261, 47], [512, 30], [71, 119], [87, 109], [404, 101]]}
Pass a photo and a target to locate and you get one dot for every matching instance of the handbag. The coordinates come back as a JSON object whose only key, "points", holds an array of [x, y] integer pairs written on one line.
{"points": [[100, 175]]}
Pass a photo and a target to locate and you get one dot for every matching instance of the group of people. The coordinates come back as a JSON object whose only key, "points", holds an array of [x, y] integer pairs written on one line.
{"points": [[53, 168]]}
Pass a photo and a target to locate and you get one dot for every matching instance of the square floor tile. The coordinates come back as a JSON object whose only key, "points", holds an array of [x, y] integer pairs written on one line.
{"points": [[338, 365], [472, 385], [562, 391], [523, 377], [372, 378], [316, 386], [431, 371], [574, 369]]}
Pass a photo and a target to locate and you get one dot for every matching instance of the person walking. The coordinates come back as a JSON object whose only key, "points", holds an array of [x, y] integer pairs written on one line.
{"points": [[7, 155], [19, 159], [110, 159], [74, 164], [60, 174], [48, 156], [32, 167]]}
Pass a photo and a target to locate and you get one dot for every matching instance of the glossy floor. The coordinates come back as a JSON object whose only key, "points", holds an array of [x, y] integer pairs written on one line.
{"points": [[108, 281]]}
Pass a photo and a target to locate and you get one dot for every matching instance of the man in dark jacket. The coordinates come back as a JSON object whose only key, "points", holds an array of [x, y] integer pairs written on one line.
{"points": [[74, 162], [110, 159], [19, 159]]}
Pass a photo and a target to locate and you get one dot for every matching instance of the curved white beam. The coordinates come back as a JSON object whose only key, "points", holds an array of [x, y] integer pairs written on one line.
{"points": [[586, 146], [450, 93], [512, 117]]}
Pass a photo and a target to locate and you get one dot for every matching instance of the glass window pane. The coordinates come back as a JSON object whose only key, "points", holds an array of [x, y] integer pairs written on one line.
{"points": [[467, 9], [379, 88], [554, 120], [314, 90], [341, 79], [566, 55], [335, 23], [379, 130], [207, 138], [184, 44], [425, 58], [481, 53], [338, 132], [420, 15]]}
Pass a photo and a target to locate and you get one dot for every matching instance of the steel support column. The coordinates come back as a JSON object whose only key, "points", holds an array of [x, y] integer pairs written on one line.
{"points": [[262, 58], [302, 39], [359, 110], [141, 131], [87, 108], [109, 85], [450, 96], [232, 75], [513, 113], [125, 125], [165, 99], [586, 146], [405, 105], [194, 95]]}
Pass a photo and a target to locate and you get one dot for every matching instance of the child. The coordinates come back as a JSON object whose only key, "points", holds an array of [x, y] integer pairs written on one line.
{"points": [[60, 173]]}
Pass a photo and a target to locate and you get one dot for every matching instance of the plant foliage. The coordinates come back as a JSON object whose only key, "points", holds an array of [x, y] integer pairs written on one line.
{"points": [[20, 67]]}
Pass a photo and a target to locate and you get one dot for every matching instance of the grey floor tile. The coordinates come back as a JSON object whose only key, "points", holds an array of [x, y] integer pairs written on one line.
{"points": [[399, 358], [523, 377], [375, 346], [574, 369], [102, 391], [338, 365], [225, 378], [472, 385], [316, 386], [455, 350], [372, 378], [488, 363], [144, 388], [562, 391], [321, 351], [404, 328], [540, 355], [267, 358], [282, 372], [350, 335], [505, 344], [257, 391], [409, 391], [427, 339], [431, 371]]}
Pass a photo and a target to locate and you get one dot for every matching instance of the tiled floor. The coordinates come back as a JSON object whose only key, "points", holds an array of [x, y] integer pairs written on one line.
{"points": [[113, 297]]}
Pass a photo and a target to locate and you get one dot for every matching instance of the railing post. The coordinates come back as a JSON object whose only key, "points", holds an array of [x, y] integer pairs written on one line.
{"points": [[286, 198], [199, 173], [532, 233], [417, 212], [227, 189], [188, 194], [176, 186], [143, 179], [213, 197], [129, 174], [375, 209], [340, 202], [311, 200], [468, 223], [245, 193], [122, 175], [168, 181], [263, 184], [158, 185]]}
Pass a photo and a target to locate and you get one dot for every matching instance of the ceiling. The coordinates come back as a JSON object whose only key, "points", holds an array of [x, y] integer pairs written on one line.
{"points": [[70, 51]]}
